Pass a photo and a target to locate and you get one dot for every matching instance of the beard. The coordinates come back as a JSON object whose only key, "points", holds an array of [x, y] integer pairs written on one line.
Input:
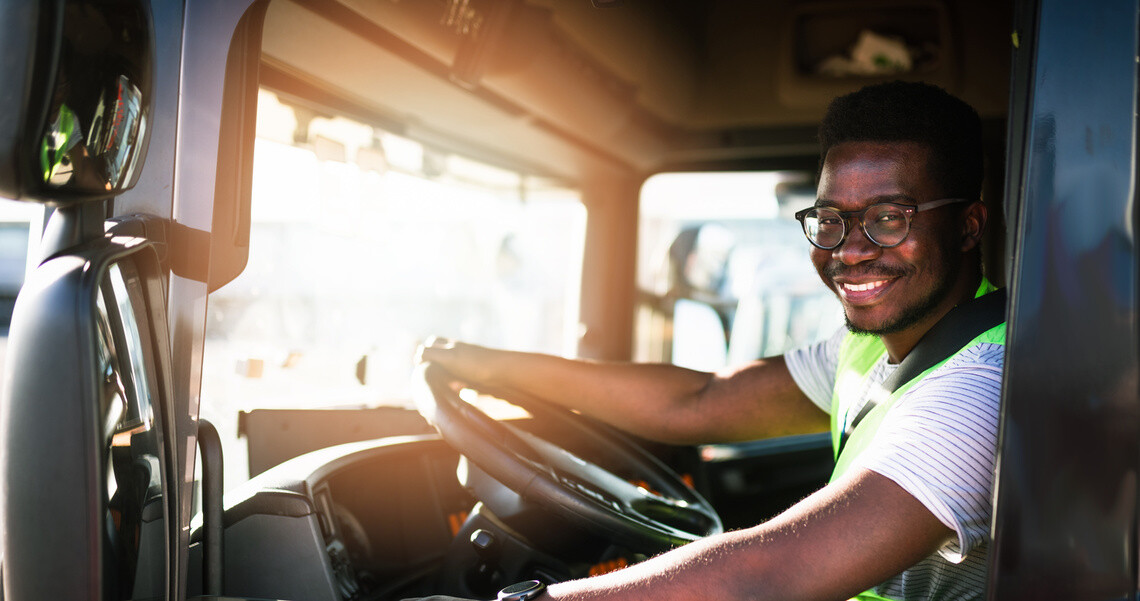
{"points": [[909, 314]]}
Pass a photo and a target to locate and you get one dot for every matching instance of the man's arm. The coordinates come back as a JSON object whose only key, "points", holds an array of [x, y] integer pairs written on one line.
{"points": [[659, 402], [844, 539]]}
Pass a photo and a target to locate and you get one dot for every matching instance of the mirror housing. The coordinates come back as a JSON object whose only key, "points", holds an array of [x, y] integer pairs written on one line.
{"points": [[83, 427], [77, 98]]}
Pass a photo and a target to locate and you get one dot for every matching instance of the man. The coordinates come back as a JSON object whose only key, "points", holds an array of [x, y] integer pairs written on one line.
{"points": [[896, 232]]}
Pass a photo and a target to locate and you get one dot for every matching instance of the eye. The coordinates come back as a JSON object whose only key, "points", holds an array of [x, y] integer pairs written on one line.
{"points": [[828, 219]]}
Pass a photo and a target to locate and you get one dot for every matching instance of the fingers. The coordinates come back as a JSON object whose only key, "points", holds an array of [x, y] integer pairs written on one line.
{"points": [[430, 349], [467, 362], [439, 341]]}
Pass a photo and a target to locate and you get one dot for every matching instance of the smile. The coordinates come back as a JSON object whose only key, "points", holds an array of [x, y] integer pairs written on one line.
{"points": [[854, 294], [864, 287]]}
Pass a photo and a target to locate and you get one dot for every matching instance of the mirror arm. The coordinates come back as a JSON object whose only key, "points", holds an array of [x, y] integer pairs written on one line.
{"points": [[71, 225]]}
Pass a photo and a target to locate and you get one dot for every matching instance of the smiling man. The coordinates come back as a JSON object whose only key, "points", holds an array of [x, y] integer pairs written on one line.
{"points": [[895, 233]]}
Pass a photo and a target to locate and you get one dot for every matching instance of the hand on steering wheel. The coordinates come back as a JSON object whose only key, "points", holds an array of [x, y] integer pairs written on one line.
{"points": [[578, 490]]}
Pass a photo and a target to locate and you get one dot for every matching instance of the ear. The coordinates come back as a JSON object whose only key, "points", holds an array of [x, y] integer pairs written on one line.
{"points": [[973, 222]]}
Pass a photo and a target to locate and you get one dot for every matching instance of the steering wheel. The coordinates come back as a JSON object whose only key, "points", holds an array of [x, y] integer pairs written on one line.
{"points": [[580, 491]]}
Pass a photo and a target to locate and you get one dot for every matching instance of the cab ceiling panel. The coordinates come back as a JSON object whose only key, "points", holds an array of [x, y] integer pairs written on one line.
{"points": [[583, 71], [640, 85], [432, 109], [655, 48]]}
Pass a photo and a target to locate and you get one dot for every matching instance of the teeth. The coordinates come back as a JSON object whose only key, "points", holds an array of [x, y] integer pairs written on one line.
{"points": [[864, 287]]}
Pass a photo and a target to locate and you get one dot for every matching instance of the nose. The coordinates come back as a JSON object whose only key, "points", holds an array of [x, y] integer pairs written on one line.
{"points": [[857, 248]]}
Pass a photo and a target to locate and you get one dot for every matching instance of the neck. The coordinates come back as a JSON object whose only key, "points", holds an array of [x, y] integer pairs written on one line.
{"points": [[900, 344]]}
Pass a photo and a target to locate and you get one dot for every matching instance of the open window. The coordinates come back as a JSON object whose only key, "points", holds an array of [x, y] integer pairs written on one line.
{"points": [[723, 269]]}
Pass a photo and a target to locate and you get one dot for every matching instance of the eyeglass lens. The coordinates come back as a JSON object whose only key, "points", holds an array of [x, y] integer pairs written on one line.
{"points": [[886, 225]]}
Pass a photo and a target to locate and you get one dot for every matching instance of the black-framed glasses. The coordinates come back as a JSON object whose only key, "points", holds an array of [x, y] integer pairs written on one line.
{"points": [[886, 223]]}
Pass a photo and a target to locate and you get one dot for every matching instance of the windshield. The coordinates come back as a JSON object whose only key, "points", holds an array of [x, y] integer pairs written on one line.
{"points": [[362, 244]]}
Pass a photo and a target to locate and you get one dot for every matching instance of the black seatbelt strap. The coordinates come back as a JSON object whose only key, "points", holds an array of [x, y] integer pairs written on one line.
{"points": [[958, 327]]}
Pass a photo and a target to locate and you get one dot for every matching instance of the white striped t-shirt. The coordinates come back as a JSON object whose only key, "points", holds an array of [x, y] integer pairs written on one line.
{"points": [[938, 442]]}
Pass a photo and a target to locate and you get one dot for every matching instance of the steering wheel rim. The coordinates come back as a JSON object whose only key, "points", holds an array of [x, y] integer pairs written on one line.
{"points": [[574, 488]]}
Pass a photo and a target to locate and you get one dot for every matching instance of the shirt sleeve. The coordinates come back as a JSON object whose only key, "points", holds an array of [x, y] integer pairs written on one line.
{"points": [[813, 368], [939, 443]]}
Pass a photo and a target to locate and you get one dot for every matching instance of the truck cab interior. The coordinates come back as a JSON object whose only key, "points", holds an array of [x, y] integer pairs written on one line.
{"points": [[257, 209]]}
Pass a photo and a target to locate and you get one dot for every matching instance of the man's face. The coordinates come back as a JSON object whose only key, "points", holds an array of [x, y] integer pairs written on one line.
{"points": [[887, 290]]}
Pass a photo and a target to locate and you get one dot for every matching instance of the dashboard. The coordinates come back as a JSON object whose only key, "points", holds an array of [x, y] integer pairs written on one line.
{"points": [[359, 521], [389, 519]]}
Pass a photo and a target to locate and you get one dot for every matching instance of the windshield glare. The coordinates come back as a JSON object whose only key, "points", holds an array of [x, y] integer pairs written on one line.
{"points": [[362, 244]]}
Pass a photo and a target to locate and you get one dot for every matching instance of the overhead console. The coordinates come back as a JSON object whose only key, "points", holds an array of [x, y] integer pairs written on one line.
{"points": [[828, 46]]}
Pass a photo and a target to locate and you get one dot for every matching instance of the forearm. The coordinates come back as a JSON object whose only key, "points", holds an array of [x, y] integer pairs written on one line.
{"points": [[847, 537], [668, 403], [843, 539], [707, 569], [645, 399], [659, 402]]}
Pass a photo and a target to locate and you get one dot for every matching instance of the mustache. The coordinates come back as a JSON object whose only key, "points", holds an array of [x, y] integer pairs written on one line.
{"points": [[836, 269]]}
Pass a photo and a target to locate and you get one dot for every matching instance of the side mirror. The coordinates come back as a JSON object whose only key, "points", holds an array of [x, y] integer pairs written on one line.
{"points": [[84, 456], [76, 98]]}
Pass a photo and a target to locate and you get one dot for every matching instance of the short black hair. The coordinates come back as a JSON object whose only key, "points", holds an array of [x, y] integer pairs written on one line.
{"points": [[901, 111]]}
